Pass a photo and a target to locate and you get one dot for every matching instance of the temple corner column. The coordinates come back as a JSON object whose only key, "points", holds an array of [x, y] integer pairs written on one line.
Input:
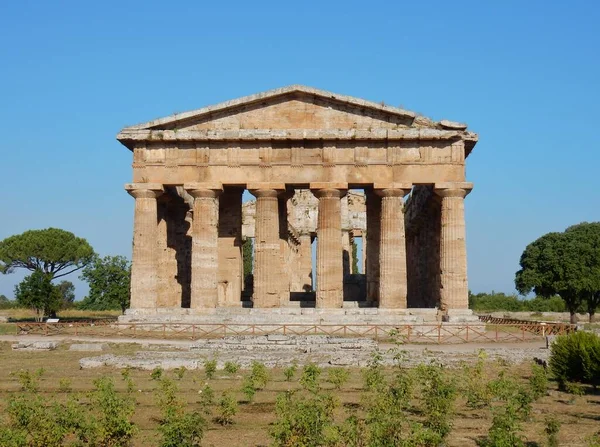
{"points": [[454, 296], [205, 254], [144, 259]]}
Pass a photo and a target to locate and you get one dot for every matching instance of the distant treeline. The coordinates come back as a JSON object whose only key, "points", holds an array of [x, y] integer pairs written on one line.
{"points": [[498, 302]]}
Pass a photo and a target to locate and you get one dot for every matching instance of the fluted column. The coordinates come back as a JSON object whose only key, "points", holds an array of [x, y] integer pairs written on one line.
{"points": [[392, 248], [267, 248], [305, 263], [330, 280], [205, 249], [144, 265], [453, 249]]}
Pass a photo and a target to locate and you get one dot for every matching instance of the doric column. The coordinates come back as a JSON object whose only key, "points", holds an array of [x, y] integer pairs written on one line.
{"points": [[392, 247], [330, 280], [144, 265], [453, 249], [205, 253], [267, 248]]}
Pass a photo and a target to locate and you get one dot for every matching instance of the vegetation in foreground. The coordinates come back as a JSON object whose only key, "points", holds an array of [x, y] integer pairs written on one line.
{"points": [[485, 403]]}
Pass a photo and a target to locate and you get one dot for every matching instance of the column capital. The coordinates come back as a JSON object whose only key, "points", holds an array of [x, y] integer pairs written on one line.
{"points": [[392, 189], [204, 190], [144, 190], [329, 189], [453, 189]]}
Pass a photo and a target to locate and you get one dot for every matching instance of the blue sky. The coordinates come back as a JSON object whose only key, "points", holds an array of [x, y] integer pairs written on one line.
{"points": [[524, 75]]}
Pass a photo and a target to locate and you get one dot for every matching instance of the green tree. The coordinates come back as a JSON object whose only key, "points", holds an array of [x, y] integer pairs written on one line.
{"points": [[109, 280], [67, 293], [38, 292], [248, 261], [52, 251], [565, 264], [354, 269]]}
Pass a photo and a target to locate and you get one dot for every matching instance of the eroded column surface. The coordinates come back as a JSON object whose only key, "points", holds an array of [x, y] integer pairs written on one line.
{"points": [[392, 249], [144, 266], [205, 256], [330, 280], [305, 264], [267, 249], [453, 249]]}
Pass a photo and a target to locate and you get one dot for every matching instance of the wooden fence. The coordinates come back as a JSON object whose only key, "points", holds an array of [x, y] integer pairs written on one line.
{"points": [[408, 333]]}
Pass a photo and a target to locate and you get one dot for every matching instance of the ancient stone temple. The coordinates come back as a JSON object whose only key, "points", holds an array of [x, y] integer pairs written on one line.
{"points": [[323, 170]]}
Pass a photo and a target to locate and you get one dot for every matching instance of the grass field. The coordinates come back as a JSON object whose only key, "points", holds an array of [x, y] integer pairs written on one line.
{"points": [[579, 416], [23, 314]]}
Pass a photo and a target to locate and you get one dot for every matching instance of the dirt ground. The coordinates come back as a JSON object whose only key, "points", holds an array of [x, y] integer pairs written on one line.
{"points": [[580, 416]]}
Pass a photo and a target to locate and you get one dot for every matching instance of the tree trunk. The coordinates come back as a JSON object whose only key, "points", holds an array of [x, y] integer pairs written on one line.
{"points": [[592, 314], [573, 317]]}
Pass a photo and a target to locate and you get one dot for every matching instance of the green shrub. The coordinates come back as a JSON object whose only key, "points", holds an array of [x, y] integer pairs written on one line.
{"points": [[227, 409], [177, 426], [477, 391], [156, 373], [576, 358], [207, 398], [180, 372], [438, 393], [210, 368], [232, 367], [538, 381], [248, 388], [338, 377], [373, 374], [113, 426], [552, 428], [259, 375], [303, 419], [290, 372], [310, 377]]}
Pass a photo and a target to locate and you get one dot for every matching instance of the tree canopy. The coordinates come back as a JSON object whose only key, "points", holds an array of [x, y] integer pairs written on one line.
{"points": [[38, 292], [52, 251], [565, 264], [109, 280]]}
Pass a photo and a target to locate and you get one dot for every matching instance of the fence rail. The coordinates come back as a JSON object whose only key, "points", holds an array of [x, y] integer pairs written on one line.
{"points": [[409, 333]]}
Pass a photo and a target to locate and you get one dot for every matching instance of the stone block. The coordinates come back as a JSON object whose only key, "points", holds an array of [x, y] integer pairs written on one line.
{"points": [[35, 346], [278, 337]]}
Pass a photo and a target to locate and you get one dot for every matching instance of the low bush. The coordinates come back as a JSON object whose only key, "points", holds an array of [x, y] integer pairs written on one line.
{"points": [[576, 358], [231, 367], [210, 368]]}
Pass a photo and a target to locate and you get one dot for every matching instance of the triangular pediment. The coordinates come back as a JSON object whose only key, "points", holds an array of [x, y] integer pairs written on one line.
{"points": [[293, 107]]}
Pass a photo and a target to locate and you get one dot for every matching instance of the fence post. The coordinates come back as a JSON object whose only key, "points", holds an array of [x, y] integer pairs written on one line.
{"points": [[467, 333], [164, 330], [439, 333], [376, 333], [408, 329]]}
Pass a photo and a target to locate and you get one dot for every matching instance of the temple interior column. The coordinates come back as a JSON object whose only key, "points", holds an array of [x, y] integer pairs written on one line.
{"points": [[205, 255], [373, 246], [392, 252], [284, 248], [330, 281], [230, 247], [144, 270], [453, 250], [267, 260], [347, 252]]}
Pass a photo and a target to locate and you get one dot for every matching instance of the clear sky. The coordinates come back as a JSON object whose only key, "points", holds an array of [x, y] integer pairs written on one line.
{"points": [[523, 74]]}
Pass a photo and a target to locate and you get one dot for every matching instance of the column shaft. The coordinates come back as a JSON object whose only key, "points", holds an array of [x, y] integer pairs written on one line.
{"points": [[205, 256], [267, 260], [330, 281], [392, 251], [453, 250], [144, 266]]}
